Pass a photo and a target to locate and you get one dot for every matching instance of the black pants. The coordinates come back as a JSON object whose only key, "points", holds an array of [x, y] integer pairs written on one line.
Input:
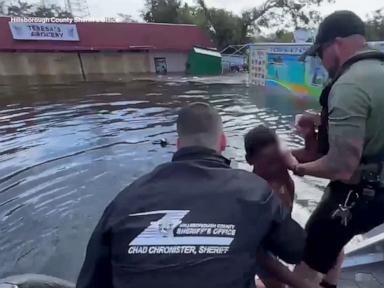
{"points": [[326, 236]]}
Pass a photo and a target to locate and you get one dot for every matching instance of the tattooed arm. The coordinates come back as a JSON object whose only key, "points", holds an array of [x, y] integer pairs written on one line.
{"points": [[348, 112]]}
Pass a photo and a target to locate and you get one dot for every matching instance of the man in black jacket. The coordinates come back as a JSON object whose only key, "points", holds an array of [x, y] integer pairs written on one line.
{"points": [[193, 222]]}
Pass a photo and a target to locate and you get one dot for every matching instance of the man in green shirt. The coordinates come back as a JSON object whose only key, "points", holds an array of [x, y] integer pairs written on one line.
{"points": [[351, 144]]}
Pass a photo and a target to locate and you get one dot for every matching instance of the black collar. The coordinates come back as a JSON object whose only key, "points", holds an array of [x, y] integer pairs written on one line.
{"points": [[200, 153]]}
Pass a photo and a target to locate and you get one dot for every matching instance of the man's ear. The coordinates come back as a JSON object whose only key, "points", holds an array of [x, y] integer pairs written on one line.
{"points": [[338, 40], [339, 45], [223, 142]]}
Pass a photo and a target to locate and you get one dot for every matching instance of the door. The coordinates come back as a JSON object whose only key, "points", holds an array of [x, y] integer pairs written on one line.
{"points": [[161, 65]]}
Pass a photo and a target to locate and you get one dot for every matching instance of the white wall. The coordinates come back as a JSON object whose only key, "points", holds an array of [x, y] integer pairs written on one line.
{"points": [[39, 64], [65, 67], [176, 61], [114, 63]]}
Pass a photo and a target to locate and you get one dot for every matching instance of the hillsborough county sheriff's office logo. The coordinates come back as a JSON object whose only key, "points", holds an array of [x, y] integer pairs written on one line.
{"points": [[169, 235], [166, 226]]}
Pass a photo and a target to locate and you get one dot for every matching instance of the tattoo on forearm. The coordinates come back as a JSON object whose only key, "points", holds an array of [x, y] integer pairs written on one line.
{"points": [[344, 153]]}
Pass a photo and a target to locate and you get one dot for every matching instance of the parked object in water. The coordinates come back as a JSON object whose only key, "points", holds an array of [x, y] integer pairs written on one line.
{"points": [[234, 63], [204, 62], [34, 281]]}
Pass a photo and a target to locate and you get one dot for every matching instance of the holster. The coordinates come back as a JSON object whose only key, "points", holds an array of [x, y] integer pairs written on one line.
{"points": [[371, 182], [372, 175]]}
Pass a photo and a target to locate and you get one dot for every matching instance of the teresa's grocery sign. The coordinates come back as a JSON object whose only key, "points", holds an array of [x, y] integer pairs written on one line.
{"points": [[34, 31]]}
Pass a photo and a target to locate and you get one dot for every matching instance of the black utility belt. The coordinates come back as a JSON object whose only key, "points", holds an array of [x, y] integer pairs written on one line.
{"points": [[371, 181], [365, 190], [357, 192]]}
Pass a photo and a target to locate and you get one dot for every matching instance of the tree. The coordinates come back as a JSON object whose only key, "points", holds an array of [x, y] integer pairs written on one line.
{"points": [[375, 26], [42, 11], [187, 14], [225, 28], [2, 8], [276, 13], [24, 9], [161, 11], [19, 9], [125, 18], [51, 11], [280, 36], [173, 11], [284, 36], [64, 14]]}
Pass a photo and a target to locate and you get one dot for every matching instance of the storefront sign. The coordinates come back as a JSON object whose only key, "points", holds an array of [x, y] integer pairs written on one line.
{"points": [[258, 67], [35, 31], [289, 50]]}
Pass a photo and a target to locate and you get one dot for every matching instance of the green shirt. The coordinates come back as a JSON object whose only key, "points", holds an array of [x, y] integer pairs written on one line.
{"points": [[356, 105]]}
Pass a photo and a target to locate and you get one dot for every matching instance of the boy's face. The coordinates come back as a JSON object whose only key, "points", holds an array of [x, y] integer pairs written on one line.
{"points": [[269, 160]]}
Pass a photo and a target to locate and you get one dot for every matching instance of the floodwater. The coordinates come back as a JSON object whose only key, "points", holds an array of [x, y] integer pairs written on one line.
{"points": [[67, 150]]}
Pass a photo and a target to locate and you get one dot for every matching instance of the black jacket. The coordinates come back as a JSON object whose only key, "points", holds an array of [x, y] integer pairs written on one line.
{"points": [[194, 222]]}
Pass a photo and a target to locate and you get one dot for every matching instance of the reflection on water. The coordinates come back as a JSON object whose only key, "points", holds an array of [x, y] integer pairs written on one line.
{"points": [[67, 150]]}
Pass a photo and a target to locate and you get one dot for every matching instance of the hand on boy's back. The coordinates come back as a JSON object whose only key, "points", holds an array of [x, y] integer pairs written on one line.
{"points": [[293, 164], [290, 160]]}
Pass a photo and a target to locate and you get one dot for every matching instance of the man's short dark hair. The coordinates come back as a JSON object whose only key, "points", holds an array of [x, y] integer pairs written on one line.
{"points": [[198, 118], [257, 139]]}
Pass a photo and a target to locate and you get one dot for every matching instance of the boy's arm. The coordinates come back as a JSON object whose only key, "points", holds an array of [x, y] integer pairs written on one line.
{"points": [[290, 186]]}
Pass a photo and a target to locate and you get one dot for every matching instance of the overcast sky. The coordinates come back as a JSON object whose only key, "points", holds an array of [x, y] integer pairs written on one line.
{"points": [[110, 8]]}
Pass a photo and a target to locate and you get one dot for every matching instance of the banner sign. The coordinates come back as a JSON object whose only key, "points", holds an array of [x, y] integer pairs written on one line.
{"points": [[35, 31], [258, 67], [280, 66], [290, 50]]}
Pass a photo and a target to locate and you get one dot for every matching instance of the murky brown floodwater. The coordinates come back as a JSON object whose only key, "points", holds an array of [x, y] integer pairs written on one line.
{"points": [[67, 150]]}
